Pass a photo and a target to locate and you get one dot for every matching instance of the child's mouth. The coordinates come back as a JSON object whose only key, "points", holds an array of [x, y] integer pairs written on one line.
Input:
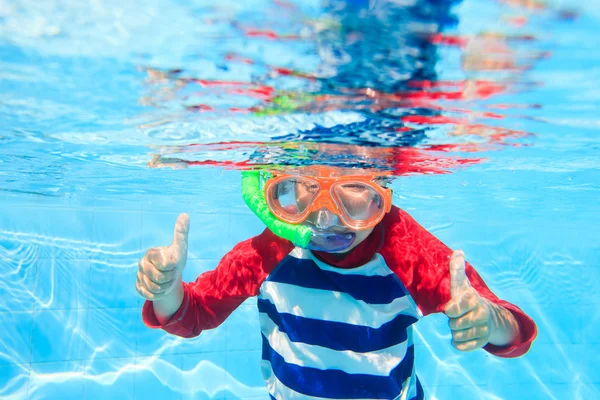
{"points": [[331, 240]]}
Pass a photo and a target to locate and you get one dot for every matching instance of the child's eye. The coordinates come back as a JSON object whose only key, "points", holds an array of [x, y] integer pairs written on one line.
{"points": [[356, 188], [312, 188]]}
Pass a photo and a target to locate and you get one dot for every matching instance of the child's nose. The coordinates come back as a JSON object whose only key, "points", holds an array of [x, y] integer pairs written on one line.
{"points": [[325, 219]]}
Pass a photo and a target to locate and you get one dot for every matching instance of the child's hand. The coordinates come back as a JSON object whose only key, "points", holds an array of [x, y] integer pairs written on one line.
{"points": [[160, 270], [469, 313]]}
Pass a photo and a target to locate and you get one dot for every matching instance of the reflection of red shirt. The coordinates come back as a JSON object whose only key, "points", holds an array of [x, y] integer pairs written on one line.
{"points": [[417, 257]]}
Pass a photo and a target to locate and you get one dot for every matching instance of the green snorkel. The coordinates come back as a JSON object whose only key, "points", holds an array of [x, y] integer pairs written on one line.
{"points": [[299, 235]]}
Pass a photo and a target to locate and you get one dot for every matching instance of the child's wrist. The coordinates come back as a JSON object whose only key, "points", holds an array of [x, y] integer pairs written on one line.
{"points": [[503, 325], [167, 306]]}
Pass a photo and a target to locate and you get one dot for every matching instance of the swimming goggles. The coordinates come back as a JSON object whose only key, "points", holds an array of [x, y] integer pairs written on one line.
{"points": [[358, 201], [305, 235]]}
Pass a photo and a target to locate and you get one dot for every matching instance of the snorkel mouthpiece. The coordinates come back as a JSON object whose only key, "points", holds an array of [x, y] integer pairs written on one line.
{"points": [[330, 241], [300, 235]]}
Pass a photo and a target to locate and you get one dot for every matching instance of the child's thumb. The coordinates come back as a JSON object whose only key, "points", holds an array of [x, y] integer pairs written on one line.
{"points": [[458, 277], [180, 236]]}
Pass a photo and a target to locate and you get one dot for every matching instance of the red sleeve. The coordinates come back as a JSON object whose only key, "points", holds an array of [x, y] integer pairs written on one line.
{"points": [[421, 261], [216, 294]]}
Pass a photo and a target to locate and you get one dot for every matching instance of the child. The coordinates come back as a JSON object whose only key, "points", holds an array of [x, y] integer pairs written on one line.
{"points": [[336, 314]]}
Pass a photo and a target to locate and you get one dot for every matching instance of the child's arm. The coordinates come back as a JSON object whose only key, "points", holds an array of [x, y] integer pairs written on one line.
{"points": [[421, 261], [215, 294]]}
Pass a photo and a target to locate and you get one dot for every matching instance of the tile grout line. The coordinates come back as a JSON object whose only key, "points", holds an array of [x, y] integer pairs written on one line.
{"points": [[86, 363], [137, 334], [181, 377], [32, 325], [80, 360]]}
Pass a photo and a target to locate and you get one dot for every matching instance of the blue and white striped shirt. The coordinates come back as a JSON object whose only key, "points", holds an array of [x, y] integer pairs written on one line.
{"points": [[333, 333]]}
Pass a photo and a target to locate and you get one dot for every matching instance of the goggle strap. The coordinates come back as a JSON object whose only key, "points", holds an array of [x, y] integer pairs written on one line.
{"points": [[255, 200]]}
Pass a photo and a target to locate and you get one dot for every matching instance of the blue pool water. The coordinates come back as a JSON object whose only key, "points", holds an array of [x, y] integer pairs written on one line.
{"points": [[494, 105]]}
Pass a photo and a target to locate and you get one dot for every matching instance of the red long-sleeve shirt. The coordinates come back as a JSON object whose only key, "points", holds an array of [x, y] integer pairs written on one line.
{"points": [[418, 258]]}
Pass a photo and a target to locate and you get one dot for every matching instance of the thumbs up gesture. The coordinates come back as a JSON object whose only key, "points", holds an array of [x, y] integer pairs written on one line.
{"points": [[160, 270], [470, 315]]}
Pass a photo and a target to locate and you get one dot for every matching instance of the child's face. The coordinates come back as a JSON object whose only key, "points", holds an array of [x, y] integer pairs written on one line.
{"points": [[339, 205], [355, 198]]}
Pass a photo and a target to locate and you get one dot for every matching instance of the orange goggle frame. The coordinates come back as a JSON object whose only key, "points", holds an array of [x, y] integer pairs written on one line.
{"points": [[358, 201]]}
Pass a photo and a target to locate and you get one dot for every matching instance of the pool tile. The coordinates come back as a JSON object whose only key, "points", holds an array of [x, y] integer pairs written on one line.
{"points": [[242, 328], [57, 380], [113, 284], [158, 377], [209, 341], [15, 339], [59, 335], [569, 331], [62, 284], [438, 391], [117, 234], [465, 392], [244, 378], [584, 363], [14, 381], [112, 332], [589, 318], [550, 363], [576, 390], [244, 226], [110, 379], [154, 341], [204, 376], [121, 204], [18, 281], [66, 233]]}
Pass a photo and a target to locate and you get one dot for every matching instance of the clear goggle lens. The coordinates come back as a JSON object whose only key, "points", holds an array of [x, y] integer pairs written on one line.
{"points": [[357, 203]]}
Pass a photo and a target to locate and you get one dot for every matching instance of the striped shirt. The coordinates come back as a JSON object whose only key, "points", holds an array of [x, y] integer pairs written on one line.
{"points": [[337, 333]]}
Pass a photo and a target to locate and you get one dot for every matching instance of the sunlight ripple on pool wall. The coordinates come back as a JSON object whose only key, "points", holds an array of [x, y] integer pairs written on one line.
{"points": [[117, 116]]}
